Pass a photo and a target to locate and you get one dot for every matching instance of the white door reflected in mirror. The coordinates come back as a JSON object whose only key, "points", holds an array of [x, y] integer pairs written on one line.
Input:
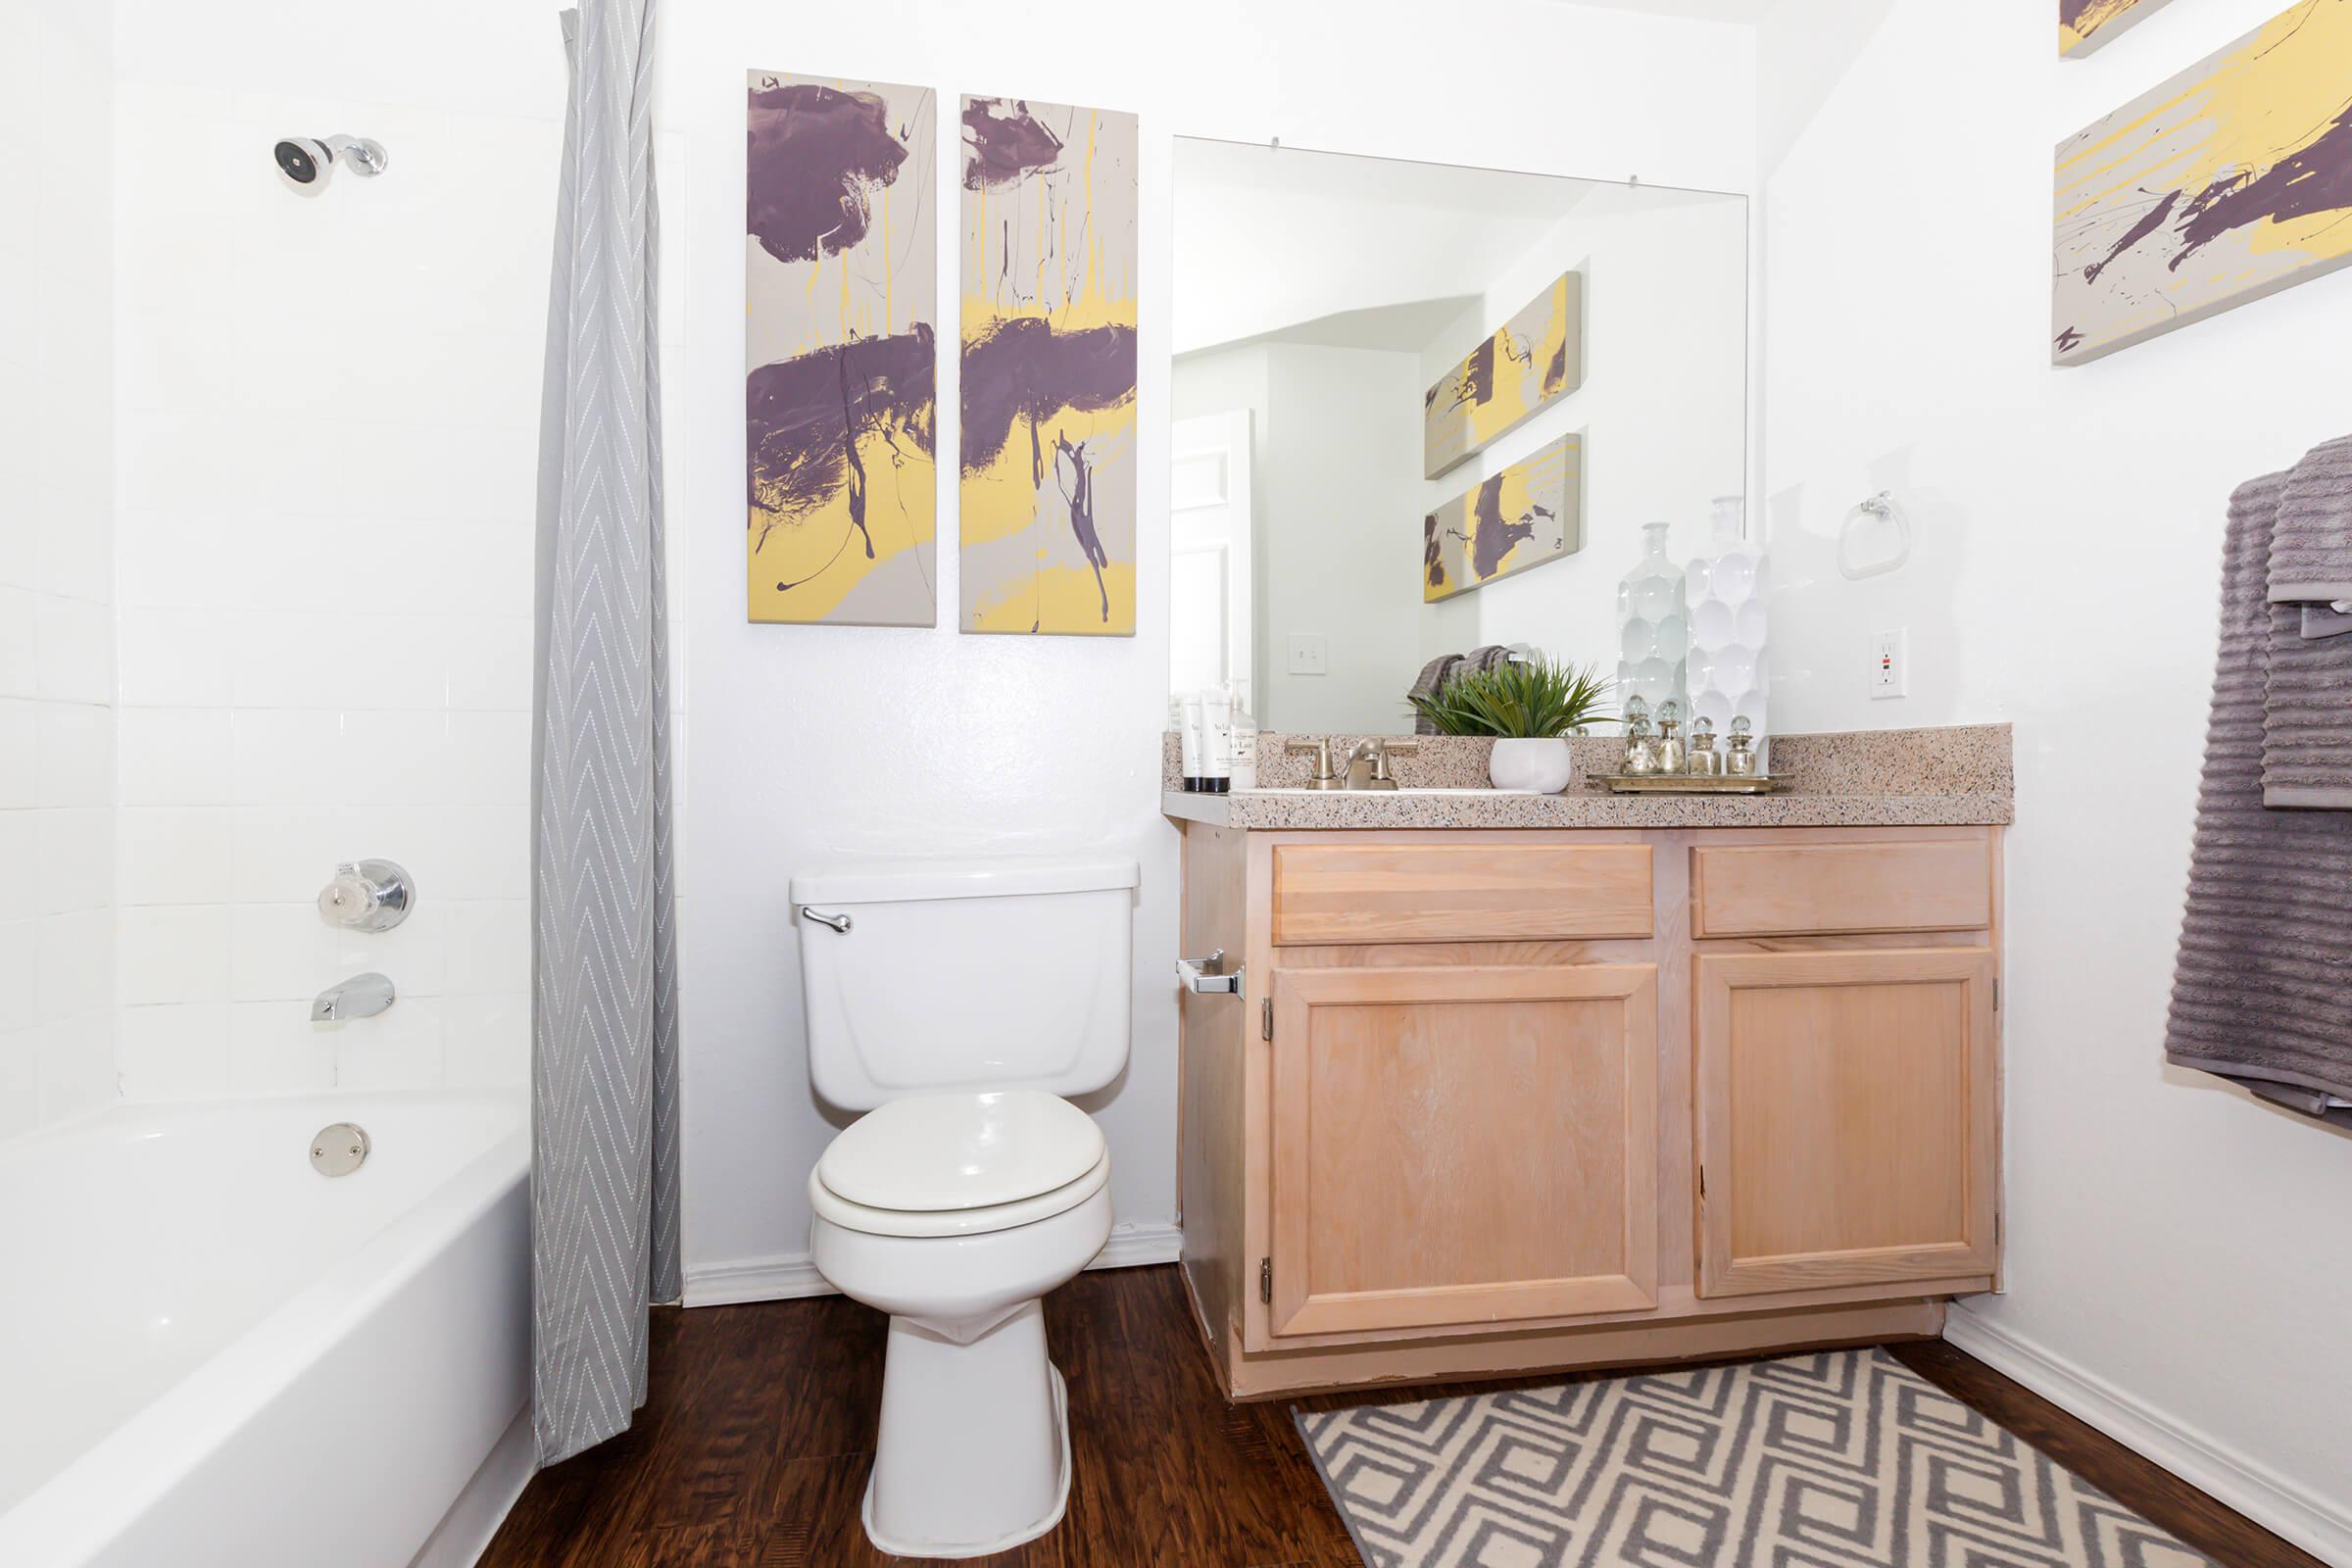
{"points": [[1210, 527]]}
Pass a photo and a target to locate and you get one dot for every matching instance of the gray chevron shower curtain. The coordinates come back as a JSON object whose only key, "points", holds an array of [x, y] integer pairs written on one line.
{"points": [[605, 993]]}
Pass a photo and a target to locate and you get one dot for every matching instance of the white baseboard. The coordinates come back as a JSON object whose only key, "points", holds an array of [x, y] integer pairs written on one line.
{"points": [[465, 1531], [788, 1276], [2321, 1526]]}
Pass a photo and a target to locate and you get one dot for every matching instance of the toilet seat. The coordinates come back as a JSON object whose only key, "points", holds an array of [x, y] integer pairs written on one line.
{"points": [[839, 1211], [959, 1164]]}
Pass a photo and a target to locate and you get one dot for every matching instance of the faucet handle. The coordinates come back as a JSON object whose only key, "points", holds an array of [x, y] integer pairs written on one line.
{"points": [[1382, 750], [1326, 776]]}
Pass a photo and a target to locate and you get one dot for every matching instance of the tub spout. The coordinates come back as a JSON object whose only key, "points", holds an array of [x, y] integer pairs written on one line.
{"points": [[363, 996]]}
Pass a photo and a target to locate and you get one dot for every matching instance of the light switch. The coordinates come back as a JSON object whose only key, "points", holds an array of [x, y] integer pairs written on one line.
{"points": [[1311, 653]]}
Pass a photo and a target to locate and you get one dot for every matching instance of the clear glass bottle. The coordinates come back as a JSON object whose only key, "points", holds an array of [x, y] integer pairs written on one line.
{"points": [[1652, 644], [1723, 600], [1670, 745], [1701, 762]]}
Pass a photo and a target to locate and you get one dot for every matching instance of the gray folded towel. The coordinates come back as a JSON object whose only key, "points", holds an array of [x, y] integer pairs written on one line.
{"points": [[1486, 656], [2265, 965], [2311, 551], [2307, 724], [1433, 674]]}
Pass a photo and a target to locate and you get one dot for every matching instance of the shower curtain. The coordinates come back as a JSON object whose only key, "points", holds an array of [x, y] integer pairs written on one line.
{"points": [[604, 1013]]}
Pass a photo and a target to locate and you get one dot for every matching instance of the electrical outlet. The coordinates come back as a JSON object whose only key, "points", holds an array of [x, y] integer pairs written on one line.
{"points": [[1890, 664], [1311, 653]]}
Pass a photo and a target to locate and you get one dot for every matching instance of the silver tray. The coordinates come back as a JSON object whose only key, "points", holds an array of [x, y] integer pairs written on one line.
{"points": [[1690, 784]]}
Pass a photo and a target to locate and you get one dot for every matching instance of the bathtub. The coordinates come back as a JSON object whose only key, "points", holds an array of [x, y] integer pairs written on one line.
{"points": [[213, 1355]]}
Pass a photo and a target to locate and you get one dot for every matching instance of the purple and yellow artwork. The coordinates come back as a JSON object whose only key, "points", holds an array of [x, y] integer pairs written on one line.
{"points": [[2084, 24], [1530, 363], [841, 286], [2230, 181], [1531, 512], [1048, 484]]}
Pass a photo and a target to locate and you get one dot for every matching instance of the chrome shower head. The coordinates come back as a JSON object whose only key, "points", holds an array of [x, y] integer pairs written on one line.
{"points": [[308, 161]]}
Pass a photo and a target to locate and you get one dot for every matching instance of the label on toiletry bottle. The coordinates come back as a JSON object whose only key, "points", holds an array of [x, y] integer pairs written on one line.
{"points": [[1217, 761], [1191, 740]]}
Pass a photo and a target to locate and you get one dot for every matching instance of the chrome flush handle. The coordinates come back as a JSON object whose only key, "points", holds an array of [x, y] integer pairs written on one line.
{"points": [[839, 923]]}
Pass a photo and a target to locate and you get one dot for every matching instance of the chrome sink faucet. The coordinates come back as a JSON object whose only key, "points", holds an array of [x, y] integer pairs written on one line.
{"points": [[363, 996], [1366, 766]]}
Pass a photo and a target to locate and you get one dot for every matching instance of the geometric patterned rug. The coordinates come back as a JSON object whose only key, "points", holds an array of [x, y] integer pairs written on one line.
{"points": [[1836, 1460]]}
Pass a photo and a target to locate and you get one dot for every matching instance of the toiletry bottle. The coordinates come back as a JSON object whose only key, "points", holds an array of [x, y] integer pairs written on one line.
{"points": [[1190, 705], [1216, 737], [1245, 743], [1670, 745]]}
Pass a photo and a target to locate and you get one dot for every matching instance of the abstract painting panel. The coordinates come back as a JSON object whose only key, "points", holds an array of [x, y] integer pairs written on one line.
{"points": [[1531, 512], [840, 300], [1533, 359], [2084, 24], [2230, 181], [1047, 488]]}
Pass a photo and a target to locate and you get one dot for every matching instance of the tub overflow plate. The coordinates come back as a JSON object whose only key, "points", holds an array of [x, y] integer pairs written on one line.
{"points": [[339, 1150]]}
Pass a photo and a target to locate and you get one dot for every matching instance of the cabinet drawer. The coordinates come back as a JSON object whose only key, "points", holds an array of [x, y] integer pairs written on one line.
{"points": [[1754, 889], [1336, 893]]}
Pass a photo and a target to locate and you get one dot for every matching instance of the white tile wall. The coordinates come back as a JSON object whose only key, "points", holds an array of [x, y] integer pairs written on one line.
{"points": [[57, 743], [268, 462], [325, 544]]}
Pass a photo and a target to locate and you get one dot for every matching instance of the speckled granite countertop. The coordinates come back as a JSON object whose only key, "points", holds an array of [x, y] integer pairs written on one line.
{"points": [[1953, 776]]}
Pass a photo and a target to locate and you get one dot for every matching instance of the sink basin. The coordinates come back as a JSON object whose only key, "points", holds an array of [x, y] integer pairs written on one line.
{"points": [[1372, 794]]}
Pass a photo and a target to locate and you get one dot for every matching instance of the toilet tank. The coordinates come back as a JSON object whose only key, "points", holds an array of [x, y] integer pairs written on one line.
{"points": [[979, 974]]}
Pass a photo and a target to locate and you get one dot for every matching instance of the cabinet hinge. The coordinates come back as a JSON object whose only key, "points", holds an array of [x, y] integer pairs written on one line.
{"points": [[1266, 1020], [1996, 993], [1265, 1280], [1703, 1181]]}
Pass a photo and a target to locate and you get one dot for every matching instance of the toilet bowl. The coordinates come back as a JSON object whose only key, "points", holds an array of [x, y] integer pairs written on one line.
{"points": [[956, 1005], [955, 1213]]}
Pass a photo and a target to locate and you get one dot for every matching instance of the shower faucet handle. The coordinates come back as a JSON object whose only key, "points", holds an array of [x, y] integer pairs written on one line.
{"points": [[367, 895]]}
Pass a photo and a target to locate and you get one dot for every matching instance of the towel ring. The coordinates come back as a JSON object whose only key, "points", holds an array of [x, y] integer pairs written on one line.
{"points": [[1882, 507]]}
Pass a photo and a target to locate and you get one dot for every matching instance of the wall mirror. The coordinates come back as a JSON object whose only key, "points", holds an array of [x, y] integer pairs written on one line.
{"points": [[1422, 410]]}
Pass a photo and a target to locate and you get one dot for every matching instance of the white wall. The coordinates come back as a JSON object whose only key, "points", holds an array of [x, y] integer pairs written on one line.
{"points": [[1663, 408], [56, 566], [814, 743], [327, 406], [1336, 467], [2173, 1245]]}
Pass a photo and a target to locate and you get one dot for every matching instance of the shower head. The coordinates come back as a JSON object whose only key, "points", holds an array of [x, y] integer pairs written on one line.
{"points": [[307, 160]]}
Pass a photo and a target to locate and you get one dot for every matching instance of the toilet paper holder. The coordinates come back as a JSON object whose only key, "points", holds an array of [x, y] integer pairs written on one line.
{"points": [[1209, 976]]}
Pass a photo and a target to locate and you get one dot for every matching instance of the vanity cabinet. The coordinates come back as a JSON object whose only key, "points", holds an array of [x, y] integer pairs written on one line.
{"points": [[1501, 1101]]}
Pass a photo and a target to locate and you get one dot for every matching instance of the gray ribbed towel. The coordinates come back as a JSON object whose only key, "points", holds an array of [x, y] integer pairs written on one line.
{"points": [[2265, 968], [2307, 725], [1433, 674], [2310, 551]]}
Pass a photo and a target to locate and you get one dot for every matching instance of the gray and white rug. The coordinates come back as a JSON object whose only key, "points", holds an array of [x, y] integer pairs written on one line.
{"points": [[1834, 1460]]}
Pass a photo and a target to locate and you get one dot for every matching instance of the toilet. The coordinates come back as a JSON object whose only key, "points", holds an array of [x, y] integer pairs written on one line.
{"points": [[955, 1005]]}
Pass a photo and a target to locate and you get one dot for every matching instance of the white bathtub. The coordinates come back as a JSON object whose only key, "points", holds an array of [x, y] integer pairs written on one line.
{"points": [[211, 1355]]}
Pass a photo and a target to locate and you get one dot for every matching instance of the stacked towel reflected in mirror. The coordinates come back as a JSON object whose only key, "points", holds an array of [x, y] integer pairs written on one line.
{"points": [[2307, 702], [2261, 985]]}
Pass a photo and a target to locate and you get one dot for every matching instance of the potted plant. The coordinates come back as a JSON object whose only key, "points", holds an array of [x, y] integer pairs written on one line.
{"points": [[1530, 708]]}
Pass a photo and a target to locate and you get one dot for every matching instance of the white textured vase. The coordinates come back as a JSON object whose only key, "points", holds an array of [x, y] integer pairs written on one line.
{"points": [[1723, 600], [1653, 640], [1541, 765]]}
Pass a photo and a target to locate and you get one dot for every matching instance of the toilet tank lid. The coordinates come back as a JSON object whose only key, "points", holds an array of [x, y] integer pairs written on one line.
{"points": [[887, 882]]}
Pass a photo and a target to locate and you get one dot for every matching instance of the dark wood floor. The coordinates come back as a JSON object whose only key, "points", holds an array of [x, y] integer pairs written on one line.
{"points": [[751, 1451]]}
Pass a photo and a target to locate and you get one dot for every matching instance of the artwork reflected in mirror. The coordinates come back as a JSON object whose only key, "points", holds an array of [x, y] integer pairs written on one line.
{"points": [[1421, 413]]}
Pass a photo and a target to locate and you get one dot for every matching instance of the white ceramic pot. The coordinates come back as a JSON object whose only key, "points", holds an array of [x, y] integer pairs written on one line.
{"points": [[1541, 766]]}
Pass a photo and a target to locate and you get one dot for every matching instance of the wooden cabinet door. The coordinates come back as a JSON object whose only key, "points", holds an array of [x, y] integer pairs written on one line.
{"points": [[1463, 1145], [1847, 1117]]}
